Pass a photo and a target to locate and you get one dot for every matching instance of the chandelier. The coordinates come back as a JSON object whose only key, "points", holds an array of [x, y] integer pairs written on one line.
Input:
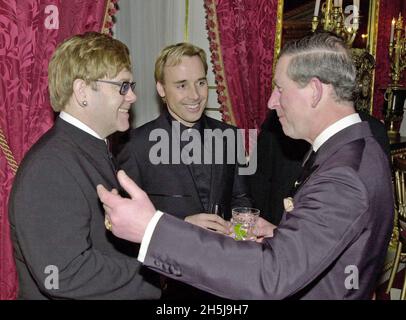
{"points": [[343, 22]]}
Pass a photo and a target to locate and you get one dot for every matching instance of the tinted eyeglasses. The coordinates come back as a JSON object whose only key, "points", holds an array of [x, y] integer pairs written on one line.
{"points": [[124, 86]]}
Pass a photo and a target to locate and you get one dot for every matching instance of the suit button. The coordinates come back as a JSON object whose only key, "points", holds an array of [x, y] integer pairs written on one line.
{"points": [[158, 263], [174, 270]]}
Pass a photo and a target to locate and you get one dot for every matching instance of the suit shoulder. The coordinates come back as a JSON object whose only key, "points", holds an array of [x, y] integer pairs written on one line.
{"points": [[351, 153], [141, 133], [214, 123], [49, 144], [356, 152], [50, 153], [146, 127]]}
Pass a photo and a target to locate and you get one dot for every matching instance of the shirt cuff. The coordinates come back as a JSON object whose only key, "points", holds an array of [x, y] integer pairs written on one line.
{"points": [[148, 235]]}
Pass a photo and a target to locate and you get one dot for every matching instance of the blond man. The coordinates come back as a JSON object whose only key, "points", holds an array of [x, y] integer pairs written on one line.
{"points": [[62, 250]]}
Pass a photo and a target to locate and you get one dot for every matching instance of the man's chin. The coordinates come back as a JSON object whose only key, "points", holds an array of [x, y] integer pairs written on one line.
{"points": [[123, 127], [194, 119], [288, 133]]}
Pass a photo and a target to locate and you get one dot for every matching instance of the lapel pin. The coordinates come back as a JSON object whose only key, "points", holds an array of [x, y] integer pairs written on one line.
{"points": [[288, 204]]}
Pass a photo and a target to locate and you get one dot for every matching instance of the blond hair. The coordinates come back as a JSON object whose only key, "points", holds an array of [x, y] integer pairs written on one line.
{"points": [[89, 56], [172, 55]]}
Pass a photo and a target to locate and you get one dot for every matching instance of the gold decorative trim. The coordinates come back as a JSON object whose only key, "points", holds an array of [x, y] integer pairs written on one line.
{"points": [[7, 153], [186, 31], [373, 27], [106, 18], [278, 34], [372, 41], [218, 65]]}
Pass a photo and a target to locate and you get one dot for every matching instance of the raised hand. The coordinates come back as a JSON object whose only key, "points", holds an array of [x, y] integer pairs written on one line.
{"points": [[128, 218]]}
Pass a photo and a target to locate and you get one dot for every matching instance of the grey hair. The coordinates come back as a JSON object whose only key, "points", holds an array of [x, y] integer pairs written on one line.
{"points": [[324, 56]]}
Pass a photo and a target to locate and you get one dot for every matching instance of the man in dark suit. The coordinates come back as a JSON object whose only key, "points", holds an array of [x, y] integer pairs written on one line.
{"points": [[57, 223], [332, 241], [184, 173], [280, 163]]}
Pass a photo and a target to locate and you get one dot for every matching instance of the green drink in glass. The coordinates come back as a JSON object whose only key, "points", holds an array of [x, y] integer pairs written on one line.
{"points": [[243, 222]]}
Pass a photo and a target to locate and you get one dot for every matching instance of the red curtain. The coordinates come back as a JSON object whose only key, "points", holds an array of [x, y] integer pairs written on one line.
{"points": [[242, 37], [387, 10], [29, 33]]}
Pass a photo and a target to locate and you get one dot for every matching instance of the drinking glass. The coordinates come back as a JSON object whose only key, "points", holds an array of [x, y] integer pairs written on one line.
{"points": [[243, 222]]}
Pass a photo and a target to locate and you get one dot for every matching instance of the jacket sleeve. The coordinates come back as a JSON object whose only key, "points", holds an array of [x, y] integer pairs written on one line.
{"points": [[325, 222]]}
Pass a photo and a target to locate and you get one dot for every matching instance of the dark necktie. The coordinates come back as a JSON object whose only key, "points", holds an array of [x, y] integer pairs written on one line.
{"points": [[308, 168]]}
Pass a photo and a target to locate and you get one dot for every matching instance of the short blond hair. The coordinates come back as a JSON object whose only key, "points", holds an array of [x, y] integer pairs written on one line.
{"points": [[172, 55], [89, 56]]}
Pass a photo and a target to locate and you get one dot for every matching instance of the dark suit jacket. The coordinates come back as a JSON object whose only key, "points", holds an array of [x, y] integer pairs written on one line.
{"points": [[331, 246], [57, 220], [280, 164], [172, 187]]}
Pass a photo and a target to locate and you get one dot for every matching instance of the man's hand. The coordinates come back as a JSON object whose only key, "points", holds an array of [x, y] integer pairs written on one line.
{"points": [[209, 221], [128, 217], [263, 229]]}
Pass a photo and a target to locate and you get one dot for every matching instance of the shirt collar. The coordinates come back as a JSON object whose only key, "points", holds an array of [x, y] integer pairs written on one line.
{"points": [[199, 125], [334, 128], [79, 124]]}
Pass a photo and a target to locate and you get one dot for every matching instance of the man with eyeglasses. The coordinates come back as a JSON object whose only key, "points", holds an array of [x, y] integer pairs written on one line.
{"points": [[61, 248]]}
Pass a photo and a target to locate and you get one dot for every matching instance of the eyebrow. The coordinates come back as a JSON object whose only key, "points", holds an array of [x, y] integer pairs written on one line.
{"points": [[180, 81], [183, 81]]}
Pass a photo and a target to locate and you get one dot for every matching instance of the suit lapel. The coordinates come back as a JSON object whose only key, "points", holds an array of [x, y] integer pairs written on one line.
{"points": [[354, 132]]}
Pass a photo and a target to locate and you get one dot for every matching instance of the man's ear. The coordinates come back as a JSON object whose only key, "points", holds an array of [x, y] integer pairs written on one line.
{"points": [[317, 91], [160, 89], [79, 91]]}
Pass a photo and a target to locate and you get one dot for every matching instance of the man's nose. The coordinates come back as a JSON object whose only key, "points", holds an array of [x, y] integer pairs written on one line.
{"points": [[273, 102], [194, 93], [131, 96]]}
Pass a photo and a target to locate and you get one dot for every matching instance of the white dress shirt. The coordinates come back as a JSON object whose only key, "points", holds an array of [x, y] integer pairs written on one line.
{"points": [[78, 124], [334, 128]]}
